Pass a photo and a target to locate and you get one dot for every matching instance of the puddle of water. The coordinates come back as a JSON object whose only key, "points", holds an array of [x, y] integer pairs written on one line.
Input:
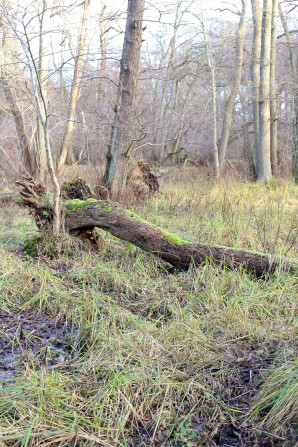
{"points": [[28, 338]]}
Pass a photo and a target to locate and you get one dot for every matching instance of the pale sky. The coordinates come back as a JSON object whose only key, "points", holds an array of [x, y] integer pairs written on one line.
{"points": [[159, 17]]}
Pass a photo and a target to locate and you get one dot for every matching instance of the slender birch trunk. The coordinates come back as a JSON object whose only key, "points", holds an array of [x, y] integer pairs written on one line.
{"points": [[44, 119], [75, 89], [273, 92], [255, 74], [43, 69], [160, 113], [229, 106], [129, 69], [41, 105], [296, 138], [166, 105], [213, 89], [103, 57], [264, 172]]}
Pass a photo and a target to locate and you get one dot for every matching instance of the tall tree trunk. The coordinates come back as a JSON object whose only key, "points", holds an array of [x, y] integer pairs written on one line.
{"points": [[158, 107], [12, 102], [273, 92], [20, 126], [248, 153], [121, 141], [167, 103], [103, 58], [295, 75], [296, 138], [101, 88], [264, 171], [214, 127], [43, 68], [213, 88], [290, 44], [229, 106], [75, 90], [255, 73]]}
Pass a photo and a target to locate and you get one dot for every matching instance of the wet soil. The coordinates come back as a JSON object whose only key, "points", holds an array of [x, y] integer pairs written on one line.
{"points": [[248, 364], [29, 339], [204, 434]]}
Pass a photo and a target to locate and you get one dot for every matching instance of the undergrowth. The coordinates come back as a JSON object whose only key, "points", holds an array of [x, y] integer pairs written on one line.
{"points": [[163, 358]]}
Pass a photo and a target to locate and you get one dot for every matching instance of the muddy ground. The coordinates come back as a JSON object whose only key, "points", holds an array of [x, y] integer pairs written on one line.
{"points": [[35, 340], [40, 341]]}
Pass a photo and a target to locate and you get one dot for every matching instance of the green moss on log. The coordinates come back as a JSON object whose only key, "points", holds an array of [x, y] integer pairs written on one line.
{"points": [[171, 237], [77, 204], [104, 206]]}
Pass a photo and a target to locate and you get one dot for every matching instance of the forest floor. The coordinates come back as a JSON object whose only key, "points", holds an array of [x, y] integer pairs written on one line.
{"points": [[116, 349]]}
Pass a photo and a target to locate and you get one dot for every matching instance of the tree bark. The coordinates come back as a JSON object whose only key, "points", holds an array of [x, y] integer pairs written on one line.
{"points": [[273, 92], [255, 73], [248, 153], [229, 106], [264, 171], [214, 113], [75, 90], [103, 58], [121, 140], [296, 138], [43, 69]]}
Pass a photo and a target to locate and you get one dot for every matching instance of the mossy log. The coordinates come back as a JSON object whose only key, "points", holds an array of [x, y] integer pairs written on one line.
{"points": [[125, 225], [81, 215]]}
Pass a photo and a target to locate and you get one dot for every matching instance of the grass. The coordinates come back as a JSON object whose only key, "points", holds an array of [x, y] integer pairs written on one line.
{"points": [[162, 357]]}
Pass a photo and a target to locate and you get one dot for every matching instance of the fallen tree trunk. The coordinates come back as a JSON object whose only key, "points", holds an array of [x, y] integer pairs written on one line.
{"points": [[125, 225], [82, 215]]}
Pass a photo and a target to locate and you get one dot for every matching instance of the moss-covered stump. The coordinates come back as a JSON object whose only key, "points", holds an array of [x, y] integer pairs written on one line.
{"points": [[142, 182], [76, 189]]}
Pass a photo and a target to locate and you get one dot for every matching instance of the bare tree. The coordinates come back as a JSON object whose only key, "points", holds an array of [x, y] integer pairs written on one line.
{"points": [[121, 135], [103, 55], [264, 168], [6, 81], [213, 89], [255, 72], [44, 13], [296, 138], [227, 119], [295, 76], [41, 104], [248, 153], [273, 92], [75, 89]]}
